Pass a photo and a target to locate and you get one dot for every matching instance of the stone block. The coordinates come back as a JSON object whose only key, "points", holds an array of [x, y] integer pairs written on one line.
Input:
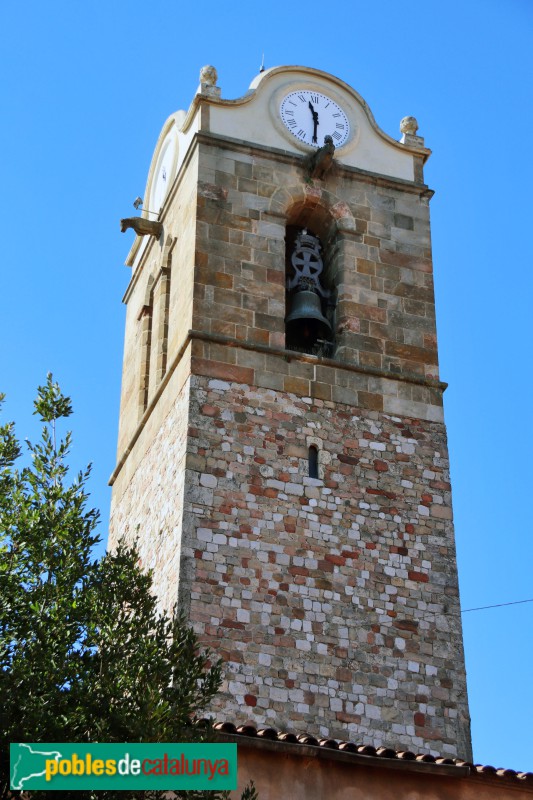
{"points": [[298, 386]]}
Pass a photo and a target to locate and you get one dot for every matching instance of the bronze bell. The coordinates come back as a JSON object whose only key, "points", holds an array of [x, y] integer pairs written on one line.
{"points": [[305, 322]]}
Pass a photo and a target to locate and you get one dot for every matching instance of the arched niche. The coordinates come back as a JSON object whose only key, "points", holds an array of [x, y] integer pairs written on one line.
{"points": [[311, 245]]}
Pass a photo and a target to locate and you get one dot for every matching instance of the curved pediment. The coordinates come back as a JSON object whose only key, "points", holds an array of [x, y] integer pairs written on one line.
{"points": [[258, 117]]}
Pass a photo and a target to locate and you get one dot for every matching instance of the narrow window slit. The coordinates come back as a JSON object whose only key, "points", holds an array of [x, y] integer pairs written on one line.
{"points": [[313, 461]]}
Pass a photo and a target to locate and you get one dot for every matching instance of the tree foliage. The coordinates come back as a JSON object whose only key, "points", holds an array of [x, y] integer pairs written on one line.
{"points": [[85, 656]]}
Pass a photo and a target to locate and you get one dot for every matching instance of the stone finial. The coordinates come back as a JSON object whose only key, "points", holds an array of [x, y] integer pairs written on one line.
{"points": [[409, 125], [408, 129], [208, 75], [208, 82]]}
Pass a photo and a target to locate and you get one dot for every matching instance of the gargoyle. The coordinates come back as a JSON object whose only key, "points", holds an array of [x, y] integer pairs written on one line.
{"points": [[142, 226], [321, 161]]}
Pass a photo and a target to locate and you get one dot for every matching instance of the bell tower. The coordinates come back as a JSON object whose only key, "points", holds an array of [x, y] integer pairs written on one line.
{"points": [[282, 452]]}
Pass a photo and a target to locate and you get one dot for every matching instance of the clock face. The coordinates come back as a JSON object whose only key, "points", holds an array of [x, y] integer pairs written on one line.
{"points": [[310, 116], [163, 174]]}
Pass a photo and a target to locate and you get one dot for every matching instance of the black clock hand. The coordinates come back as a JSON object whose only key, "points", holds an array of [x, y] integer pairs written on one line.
{"points": [[315, 122]]}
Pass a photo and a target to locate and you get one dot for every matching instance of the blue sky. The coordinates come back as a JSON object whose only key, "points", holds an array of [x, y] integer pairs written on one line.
{"points": [[86, 90]]}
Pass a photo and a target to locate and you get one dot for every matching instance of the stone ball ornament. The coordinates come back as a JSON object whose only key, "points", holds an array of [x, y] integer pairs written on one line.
{"points": [[409, 125], [208, 75]]}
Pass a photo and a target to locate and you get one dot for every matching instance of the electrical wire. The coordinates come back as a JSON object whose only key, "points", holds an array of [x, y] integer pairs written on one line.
{"points": [[498, 605]]}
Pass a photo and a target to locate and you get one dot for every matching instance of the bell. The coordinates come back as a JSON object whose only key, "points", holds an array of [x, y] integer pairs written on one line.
{"points": [[305, 323]]}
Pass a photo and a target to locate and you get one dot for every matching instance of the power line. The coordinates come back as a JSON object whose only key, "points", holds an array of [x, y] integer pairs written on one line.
{"points": [[498, 605]]}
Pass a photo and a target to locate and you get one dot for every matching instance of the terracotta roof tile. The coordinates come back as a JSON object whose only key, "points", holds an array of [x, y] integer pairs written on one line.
{"points": [[268, 733], [406, 754], [386, 752], [348, 747], [247, 730], [331, 743]]}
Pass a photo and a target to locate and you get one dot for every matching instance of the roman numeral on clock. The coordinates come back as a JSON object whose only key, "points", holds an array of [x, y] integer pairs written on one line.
{"points": [[336, 135]]}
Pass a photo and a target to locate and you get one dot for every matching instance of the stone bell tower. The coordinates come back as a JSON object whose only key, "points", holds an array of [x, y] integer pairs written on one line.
{"points": [[282, 451]]}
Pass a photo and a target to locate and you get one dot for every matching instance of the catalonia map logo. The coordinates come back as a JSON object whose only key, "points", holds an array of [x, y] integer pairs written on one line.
{"points": [[163, 766]]}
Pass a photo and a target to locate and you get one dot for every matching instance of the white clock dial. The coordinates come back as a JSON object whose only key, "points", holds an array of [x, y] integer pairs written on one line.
{"points": [[163, 174], [310, 116]]}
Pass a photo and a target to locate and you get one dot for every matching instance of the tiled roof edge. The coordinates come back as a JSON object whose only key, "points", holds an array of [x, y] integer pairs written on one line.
{"points": [[368, 754]]}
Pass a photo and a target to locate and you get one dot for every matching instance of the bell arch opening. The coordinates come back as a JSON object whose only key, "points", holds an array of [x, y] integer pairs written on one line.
{"points": [[310, 270]]}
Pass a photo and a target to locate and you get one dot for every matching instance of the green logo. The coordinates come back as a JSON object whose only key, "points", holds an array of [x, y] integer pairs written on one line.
{"points": [[123, 766]]}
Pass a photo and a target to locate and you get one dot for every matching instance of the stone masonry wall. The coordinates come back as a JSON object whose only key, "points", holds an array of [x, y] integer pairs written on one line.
{"points": [[333, 601], [379, 230], [147, 504]]}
